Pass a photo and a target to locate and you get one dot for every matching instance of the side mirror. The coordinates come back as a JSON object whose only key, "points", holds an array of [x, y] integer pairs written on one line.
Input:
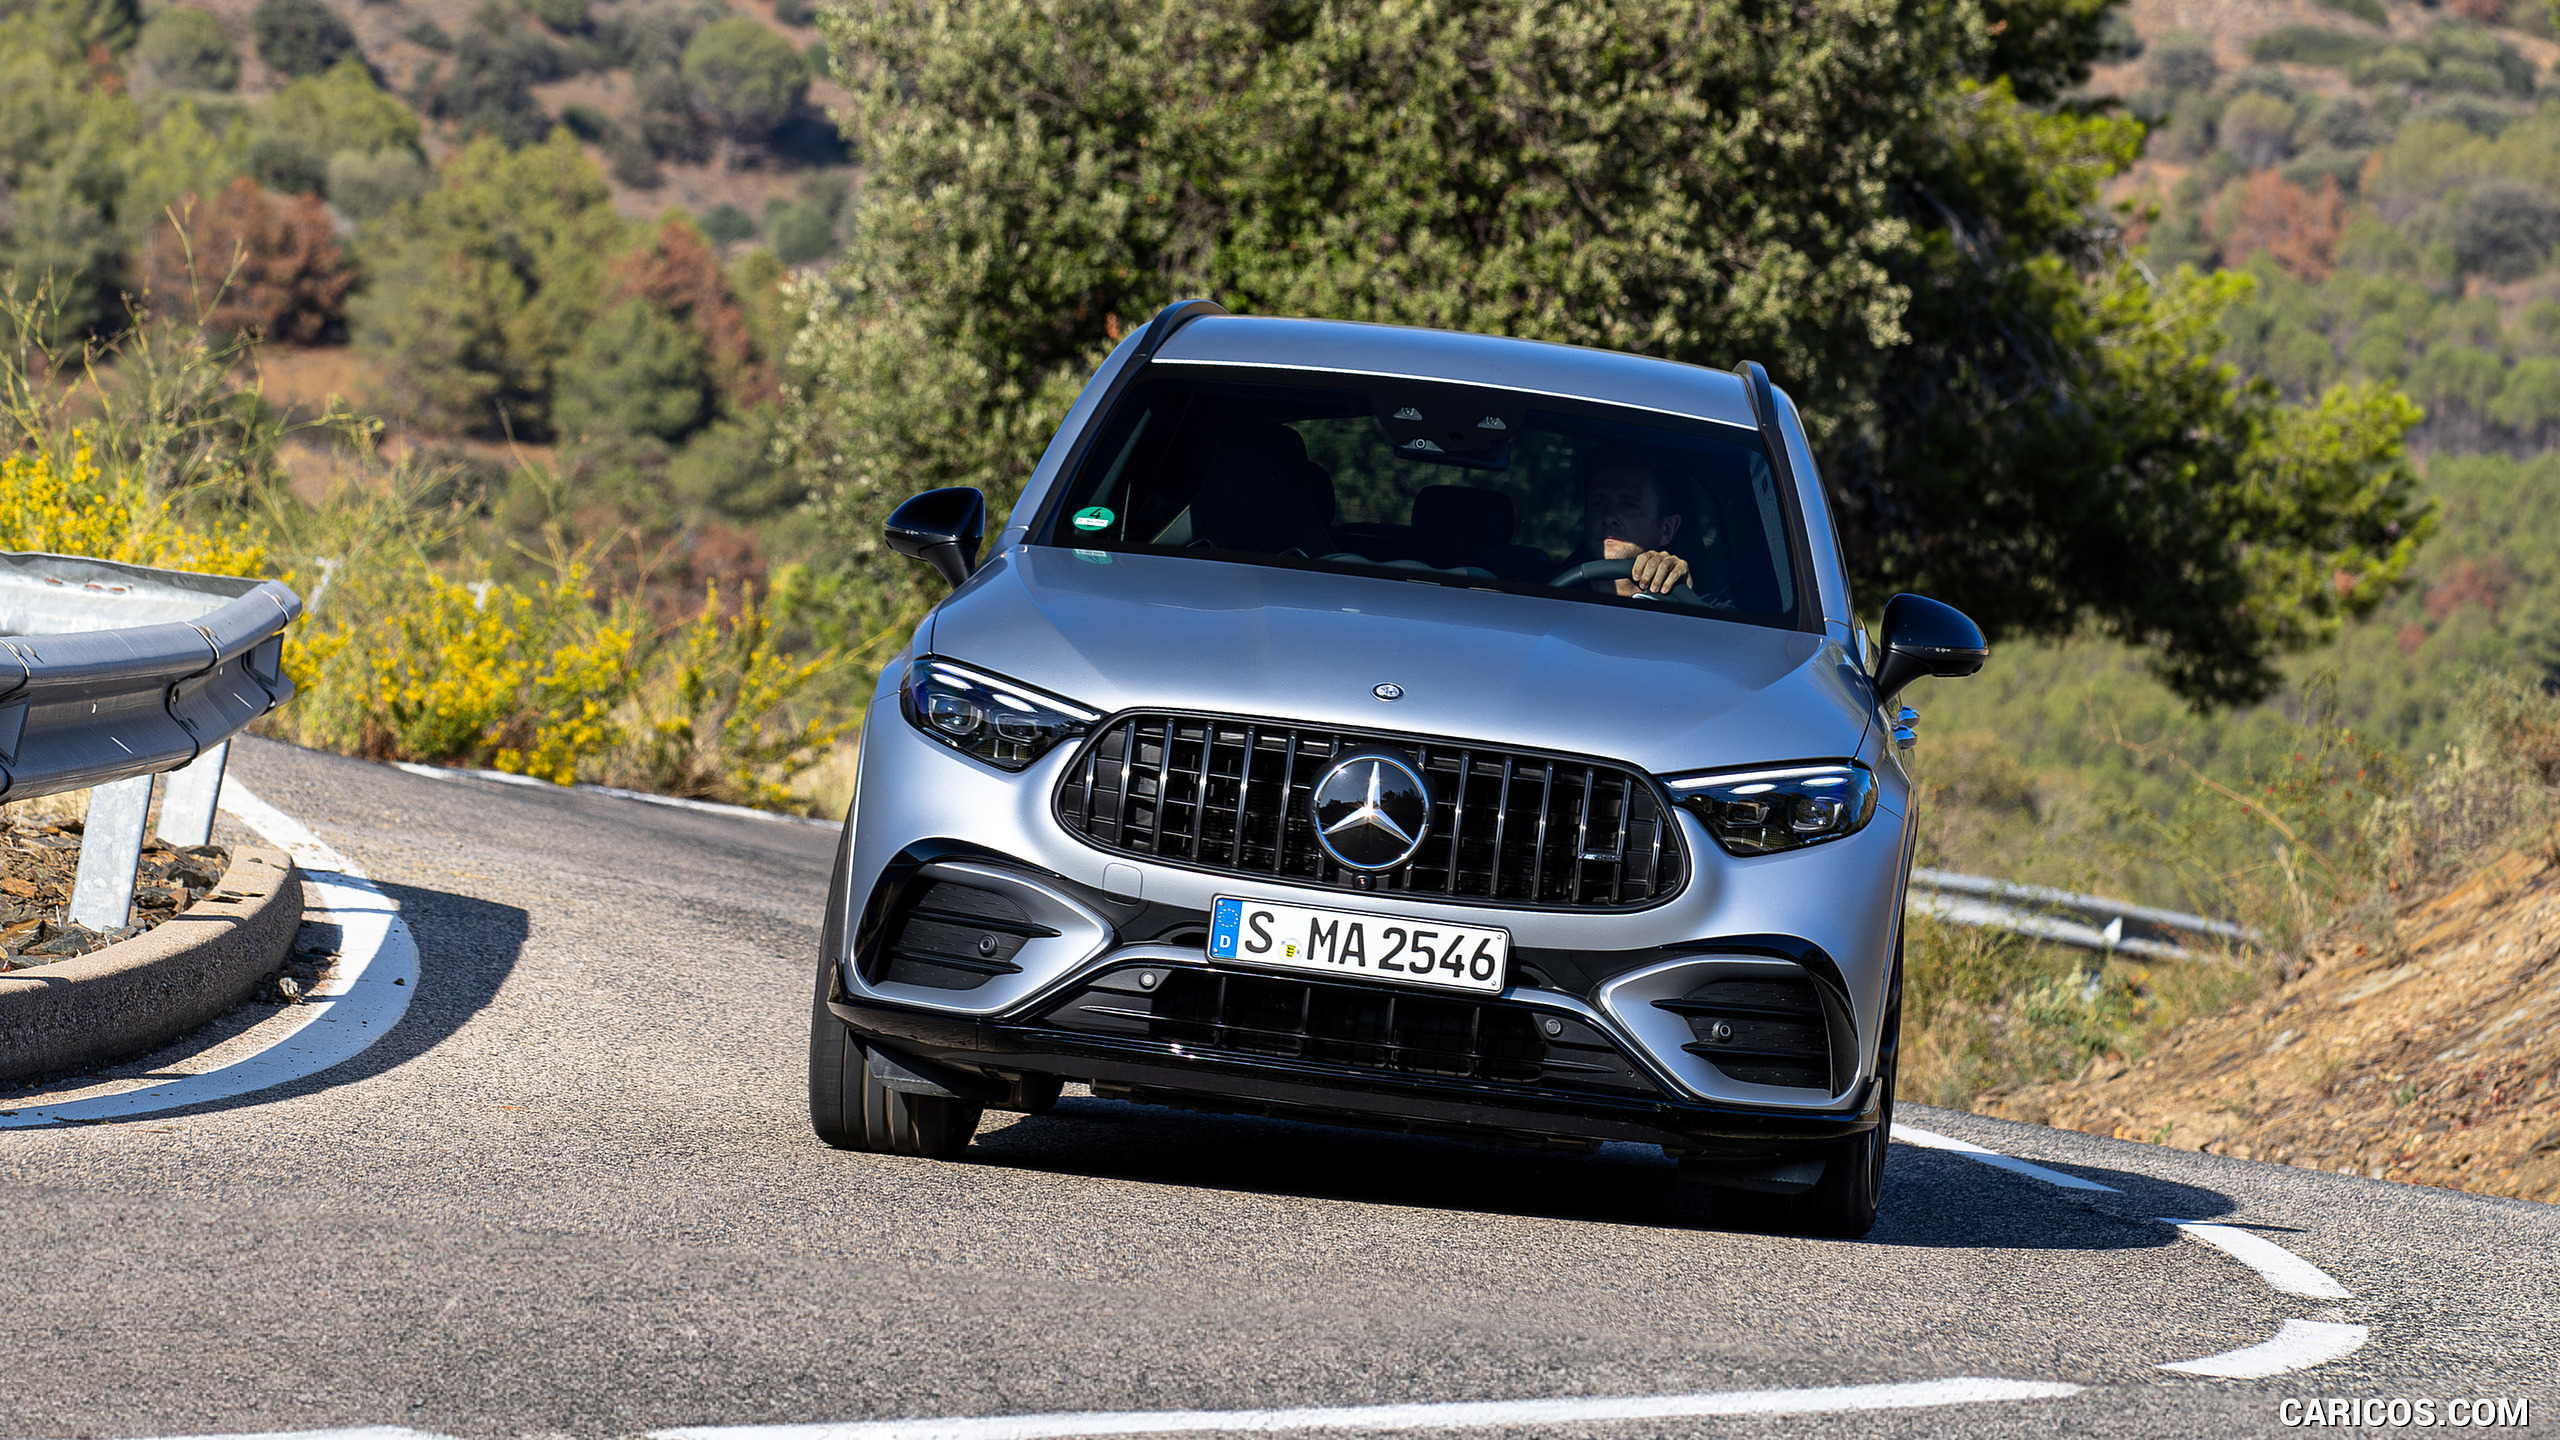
{"points": [[943, 529], [1923, 637]]}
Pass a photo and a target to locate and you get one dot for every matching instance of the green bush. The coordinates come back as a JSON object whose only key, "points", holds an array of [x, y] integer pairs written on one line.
{"points": [[630, 163], [2258, 129], [2181, 61], [2495, 67], [728, 469], [368, 184], [284, 164], [340, 109], [565, 17], [2394, 65], [2480, 117], [427, 34], [727, 224], [2370, 11], [669, 124], [2349, 124], [589, 124], [2311, 45], [798, 232], [744, 76], [188, 49], [2504, 231], [2530, 400], [301, 37], [2468, 76], [636, 373], [2451, 375], [488, 88]]}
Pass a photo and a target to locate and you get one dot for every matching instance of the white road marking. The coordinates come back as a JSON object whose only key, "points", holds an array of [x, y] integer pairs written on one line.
{"points": [[1461, 1415], [2280, 1267], [2300, 1345], [1932, 1140], [677, 802], [377, 973]]}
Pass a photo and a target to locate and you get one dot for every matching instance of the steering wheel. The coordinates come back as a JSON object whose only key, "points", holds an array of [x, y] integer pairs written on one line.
{"points": [[1590, 570]]}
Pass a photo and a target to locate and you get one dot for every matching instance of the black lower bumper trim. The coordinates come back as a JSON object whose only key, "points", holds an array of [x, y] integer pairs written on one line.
{"points": [[1320, 1092]]}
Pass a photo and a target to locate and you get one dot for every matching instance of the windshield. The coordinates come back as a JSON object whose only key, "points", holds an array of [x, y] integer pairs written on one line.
{"points": [[1463, 485]]}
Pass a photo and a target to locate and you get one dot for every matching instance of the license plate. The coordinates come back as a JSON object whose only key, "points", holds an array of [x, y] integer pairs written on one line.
{"points": [[1348, 945]]}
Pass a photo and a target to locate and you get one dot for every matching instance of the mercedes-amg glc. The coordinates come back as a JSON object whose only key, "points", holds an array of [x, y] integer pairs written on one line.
{"points": [[1396, 728]]}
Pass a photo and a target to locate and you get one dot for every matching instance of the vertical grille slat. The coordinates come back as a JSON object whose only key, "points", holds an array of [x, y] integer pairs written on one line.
{"points": [[1562, 834], [1458, 820], [1244, 793]]}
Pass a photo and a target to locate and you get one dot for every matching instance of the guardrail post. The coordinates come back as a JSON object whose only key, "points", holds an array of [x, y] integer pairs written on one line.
{"points": [[110, 853], [186, 807]]}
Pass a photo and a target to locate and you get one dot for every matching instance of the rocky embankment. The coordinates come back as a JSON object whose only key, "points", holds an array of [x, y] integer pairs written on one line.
{"points": [[2431, 1058]]}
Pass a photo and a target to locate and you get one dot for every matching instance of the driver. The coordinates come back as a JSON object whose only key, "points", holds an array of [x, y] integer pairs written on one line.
{"points": [[1629, 513]]}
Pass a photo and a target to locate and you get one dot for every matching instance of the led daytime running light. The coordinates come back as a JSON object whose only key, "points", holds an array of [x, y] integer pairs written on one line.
{"points": [[1761, 812], [1008, 725]]}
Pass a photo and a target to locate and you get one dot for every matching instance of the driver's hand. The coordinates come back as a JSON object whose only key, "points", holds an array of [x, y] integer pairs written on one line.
{"points": [[1656, 571]]}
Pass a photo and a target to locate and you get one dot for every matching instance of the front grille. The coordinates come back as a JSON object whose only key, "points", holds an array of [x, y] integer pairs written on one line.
{"points": [[1508, 827], [1761, 1030], [956, 937], [1364, 1027]]}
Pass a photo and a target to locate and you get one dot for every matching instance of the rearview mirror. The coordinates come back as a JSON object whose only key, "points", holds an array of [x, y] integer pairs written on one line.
{"points": [[942, 528], [1923, 637]]}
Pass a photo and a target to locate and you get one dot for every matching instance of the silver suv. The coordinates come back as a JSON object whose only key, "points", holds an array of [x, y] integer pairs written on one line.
{"points": [[1394, 728]]}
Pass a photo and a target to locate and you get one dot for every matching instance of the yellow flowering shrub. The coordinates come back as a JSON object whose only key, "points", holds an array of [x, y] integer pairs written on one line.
{"points": [[414, 666], [718, 707], [76, 510]]}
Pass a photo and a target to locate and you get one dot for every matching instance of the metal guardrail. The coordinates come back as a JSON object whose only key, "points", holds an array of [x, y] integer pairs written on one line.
{"points": [[2091, 922], [111, 674]]}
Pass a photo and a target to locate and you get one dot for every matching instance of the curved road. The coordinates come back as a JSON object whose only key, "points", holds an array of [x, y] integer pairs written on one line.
{"points": [[573, 1192]]}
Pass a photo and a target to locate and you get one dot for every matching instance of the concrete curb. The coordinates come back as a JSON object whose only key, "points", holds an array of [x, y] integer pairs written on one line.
{"points": [[137, 994]]}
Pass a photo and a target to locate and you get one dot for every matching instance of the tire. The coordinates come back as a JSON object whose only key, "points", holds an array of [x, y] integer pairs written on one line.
{"points": [[852, 1110], [1843, 1204]]}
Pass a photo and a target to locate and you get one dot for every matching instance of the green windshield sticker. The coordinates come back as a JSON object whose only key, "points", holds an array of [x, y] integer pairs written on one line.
{"points": [[1093, 518]]}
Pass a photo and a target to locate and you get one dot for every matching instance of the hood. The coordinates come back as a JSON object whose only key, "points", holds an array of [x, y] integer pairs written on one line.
{"points": [[1666, 692]]}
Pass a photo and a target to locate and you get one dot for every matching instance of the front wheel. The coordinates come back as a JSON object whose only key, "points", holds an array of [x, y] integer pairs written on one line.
{"points": [[1843, 1203], [852, 1110]]}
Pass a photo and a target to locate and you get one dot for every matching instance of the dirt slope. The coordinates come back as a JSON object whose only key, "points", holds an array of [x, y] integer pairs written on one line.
{"points": [[2433, 1059]]}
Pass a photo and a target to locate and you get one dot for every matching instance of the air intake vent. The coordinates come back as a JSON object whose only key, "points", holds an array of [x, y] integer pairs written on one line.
{"points": [[1765, 1030], [1507, 827], [957, 937], [1365, 1027]]}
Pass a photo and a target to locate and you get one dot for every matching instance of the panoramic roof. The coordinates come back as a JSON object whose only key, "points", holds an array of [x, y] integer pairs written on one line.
{"points": [[1530, 365]]}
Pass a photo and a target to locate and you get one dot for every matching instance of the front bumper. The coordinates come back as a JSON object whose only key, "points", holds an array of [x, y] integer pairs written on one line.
{"points": [[923, 811], [1342, 1094]]}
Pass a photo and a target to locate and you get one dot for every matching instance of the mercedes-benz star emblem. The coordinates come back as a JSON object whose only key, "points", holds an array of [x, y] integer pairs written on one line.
{"points": [[1371, 811]]}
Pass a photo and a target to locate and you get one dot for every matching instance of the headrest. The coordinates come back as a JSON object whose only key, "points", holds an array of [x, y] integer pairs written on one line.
{"points": [[1258, 496], [1461, 518]]}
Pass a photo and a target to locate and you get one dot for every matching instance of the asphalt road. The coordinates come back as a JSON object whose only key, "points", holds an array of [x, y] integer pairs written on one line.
{"points": [[574, 1193]]}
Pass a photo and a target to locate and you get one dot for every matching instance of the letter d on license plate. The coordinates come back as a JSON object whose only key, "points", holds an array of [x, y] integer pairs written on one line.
{"points": [[1351, 946]]}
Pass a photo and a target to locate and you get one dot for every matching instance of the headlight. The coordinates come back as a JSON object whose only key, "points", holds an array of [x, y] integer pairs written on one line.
{"points": [[997, 721], [1755, 812]]}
